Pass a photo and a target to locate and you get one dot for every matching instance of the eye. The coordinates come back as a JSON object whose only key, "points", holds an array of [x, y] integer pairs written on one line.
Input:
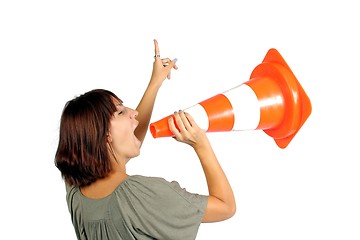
{"points": [[121, 111]]}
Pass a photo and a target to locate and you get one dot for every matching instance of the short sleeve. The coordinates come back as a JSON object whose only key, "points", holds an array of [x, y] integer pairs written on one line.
{"points": [[165, 210], [75, 210]]}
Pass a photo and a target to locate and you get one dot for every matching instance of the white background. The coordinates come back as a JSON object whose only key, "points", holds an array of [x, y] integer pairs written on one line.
{"points": [[51, 51]]}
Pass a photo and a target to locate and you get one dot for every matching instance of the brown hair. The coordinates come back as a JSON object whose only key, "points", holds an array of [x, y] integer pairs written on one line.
{"points": [[82, 155]]}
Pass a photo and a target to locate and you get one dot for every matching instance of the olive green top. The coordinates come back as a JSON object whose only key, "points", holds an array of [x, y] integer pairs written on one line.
{"points": [[139, 208]]}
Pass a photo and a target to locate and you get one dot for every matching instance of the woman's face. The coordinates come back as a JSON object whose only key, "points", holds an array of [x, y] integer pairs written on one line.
{"points": [[121, 135]]}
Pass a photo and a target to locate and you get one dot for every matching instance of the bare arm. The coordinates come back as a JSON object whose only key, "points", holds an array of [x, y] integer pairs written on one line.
{"points": [[161, 71], [221, 201]]}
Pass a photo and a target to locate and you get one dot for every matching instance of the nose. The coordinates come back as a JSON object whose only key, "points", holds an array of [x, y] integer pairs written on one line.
{"points": [[134, 113]]}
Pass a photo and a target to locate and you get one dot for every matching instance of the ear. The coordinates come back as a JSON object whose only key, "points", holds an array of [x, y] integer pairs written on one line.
{"points": [[108, 138]]}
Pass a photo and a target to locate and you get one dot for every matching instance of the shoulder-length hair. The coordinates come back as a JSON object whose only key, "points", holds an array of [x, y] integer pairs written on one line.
{"points": [[82, 155]]}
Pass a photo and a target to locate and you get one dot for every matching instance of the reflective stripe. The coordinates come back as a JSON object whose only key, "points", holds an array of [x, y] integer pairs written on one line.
{"points": [[199, 115], [246, 107]]}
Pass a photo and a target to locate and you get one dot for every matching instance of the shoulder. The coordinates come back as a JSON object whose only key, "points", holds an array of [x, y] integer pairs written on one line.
{"points": [[144, 182], [161, 188], [151, 182], [144, 185], [71, 190]]}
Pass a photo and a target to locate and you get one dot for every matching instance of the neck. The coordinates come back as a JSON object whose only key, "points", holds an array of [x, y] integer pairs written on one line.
{"points": [[118, 166]]}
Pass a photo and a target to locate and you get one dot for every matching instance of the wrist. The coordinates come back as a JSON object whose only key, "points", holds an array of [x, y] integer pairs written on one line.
{"points": [[155, 82], [203, 145], [154, 85]]}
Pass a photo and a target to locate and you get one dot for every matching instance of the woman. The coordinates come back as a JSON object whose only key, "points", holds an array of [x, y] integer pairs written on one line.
{"points": [[99, 135]]}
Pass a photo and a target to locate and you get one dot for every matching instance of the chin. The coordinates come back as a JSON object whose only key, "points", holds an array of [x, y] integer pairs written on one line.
{"points": [[137, 154], [134, 155]]}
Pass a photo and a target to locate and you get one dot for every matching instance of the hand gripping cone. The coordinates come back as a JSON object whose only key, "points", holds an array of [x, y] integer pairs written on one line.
{"points": [[272, 100]]}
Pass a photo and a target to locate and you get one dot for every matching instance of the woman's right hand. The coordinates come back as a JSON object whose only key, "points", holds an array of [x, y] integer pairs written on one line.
{"points": [[186, 130], [221, 202]]}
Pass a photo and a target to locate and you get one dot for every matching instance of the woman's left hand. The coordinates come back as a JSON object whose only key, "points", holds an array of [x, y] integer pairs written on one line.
{"points": [[162, 66]]}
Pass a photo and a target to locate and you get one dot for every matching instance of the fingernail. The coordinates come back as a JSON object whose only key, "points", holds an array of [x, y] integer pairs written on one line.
{"points": [[175, 60]]}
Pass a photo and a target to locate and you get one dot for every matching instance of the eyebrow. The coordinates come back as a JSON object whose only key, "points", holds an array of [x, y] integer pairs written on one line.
{"points": [[120, 103]]}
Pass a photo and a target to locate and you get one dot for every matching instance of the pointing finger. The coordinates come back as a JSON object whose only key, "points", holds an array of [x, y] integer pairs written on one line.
{"points": [[157, 50]]}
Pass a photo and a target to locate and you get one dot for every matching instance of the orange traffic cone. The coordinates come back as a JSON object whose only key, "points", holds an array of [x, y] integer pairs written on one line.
{"points": [[272, 100]]}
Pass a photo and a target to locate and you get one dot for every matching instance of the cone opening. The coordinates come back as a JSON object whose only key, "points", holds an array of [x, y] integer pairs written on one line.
{"points": [[153, 131]]}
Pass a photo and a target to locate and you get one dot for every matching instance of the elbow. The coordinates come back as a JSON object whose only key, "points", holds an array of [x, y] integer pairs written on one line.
{"points": [[231, 210], [218, 210]]}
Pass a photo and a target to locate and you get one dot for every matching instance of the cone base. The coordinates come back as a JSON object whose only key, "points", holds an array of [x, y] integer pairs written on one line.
{"points": [[298, 105]]}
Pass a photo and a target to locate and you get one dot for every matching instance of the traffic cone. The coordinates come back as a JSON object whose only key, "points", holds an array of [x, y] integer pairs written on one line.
{"points": [[272, 100]]}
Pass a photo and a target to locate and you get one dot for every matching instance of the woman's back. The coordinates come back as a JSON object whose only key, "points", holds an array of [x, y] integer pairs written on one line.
{"points": [[139, 208]]}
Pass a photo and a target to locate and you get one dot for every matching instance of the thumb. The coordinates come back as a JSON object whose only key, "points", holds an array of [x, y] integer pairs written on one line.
{"points": [[170, 66], [172, 63]]}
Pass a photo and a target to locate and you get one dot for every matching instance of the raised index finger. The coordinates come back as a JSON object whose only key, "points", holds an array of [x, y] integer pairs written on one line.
{"points": [[157, 51]]}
